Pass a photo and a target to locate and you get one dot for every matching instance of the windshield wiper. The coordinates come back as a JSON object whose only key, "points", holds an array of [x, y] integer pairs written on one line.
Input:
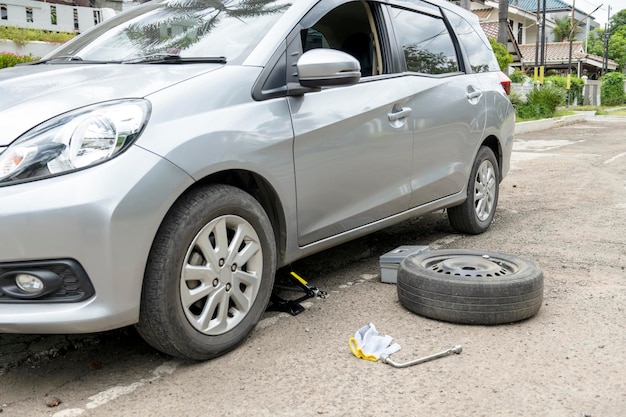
{"points": [[68, 59], [176, 59]]}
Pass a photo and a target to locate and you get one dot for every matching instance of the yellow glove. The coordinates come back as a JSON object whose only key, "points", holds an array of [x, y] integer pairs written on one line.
{"points": [[369, 345]]}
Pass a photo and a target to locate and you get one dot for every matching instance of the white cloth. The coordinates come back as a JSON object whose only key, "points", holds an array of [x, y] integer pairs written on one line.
{"points": [[368, 344]]}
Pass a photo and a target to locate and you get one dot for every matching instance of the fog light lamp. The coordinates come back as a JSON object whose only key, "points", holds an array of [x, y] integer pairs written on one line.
{"points": [[29, 283]]}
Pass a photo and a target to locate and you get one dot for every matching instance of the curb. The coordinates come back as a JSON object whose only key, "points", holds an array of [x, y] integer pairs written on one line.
{"points": [[543, 124]]}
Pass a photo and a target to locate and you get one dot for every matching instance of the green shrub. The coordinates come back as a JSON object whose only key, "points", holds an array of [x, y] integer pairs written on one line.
{"points": [[576, 86], [502, 55], [9, 59], [516, 99], [612, 89], [541, 103], [518, 77]]}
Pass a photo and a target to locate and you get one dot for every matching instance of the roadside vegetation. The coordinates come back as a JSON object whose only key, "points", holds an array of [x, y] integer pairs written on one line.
{"points": [[21, 36], [9, 59], [549, 99]]}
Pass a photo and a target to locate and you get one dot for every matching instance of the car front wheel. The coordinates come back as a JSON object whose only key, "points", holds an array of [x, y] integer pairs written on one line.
{"points": [[476, 213], [210, 274]]}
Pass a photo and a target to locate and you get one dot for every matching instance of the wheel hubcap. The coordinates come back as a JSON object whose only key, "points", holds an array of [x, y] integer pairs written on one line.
{"points": [[221, 275], [470, 266], [485, 190]]}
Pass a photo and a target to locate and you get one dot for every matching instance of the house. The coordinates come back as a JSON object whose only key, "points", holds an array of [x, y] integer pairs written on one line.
{"points": [[557, 59], [491, 30], [525, 36]]}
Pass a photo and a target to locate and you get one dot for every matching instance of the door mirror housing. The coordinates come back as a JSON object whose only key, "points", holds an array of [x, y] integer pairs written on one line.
{"points": [[319, 68]]}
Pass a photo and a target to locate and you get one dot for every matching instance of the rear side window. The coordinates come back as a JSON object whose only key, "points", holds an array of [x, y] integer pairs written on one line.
{"points": [[425, 42], [479, 53]]}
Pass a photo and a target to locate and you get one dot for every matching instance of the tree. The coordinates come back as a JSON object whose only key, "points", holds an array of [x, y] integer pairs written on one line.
{"points": [[595, 45], [617, 48], [562, 29], [503, 21], [617, 45], [618, 20]]}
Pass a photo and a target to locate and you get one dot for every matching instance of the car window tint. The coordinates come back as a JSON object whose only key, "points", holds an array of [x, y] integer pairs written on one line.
{"points": [[425, 41], [347, 28], [314, 39], [479, 53]]}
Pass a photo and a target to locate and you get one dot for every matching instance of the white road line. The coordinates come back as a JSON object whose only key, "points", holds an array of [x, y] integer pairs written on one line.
{"points": [[608, 161], [542, 145], [97, 400]]}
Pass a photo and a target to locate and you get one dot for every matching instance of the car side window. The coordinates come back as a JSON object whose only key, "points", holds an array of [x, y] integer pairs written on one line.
{"points": [[349, 28], [478, 52], [425, 41], [313, 39]]}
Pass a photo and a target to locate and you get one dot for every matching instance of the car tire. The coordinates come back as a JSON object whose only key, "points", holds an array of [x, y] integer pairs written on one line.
{"points": [[209, 275], [470, 287], [476, 213]]}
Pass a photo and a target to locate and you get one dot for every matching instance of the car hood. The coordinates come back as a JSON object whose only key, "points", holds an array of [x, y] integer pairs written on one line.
{"points": [[32, 94]]}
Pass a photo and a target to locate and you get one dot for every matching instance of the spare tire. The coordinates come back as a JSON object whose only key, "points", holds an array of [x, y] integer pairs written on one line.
{"points": [[470, 287]]}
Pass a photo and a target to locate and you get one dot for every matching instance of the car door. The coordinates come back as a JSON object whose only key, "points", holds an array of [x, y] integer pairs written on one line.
{"points": [[353, 144], [448, 103]]}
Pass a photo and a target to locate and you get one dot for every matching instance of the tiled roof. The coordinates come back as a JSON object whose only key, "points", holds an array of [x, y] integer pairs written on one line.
{"points": [[531, 5], [490, 29], [483, 14], [559, 52], [555, 51]]}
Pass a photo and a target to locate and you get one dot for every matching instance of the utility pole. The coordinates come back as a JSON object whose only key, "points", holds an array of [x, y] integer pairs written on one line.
{"points": [[571, 37], [537, 41], [543, 43], [569, 64], [607, 36]]}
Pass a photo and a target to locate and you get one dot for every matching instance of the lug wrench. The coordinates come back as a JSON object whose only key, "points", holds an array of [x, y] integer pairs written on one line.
{"points": [[384, 358]]}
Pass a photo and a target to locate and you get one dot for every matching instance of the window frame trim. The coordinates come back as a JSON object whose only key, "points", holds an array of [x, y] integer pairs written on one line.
{"points": [[397, 48]]}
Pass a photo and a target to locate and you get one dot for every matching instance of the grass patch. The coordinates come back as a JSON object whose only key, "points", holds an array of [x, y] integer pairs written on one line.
{"points": [[600, 110], [563, 113], [22, 36]]}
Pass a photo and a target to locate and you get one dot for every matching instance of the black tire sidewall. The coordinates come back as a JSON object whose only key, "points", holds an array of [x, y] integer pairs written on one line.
{"points": [[167, 259], [463, 217], [475, 300]]}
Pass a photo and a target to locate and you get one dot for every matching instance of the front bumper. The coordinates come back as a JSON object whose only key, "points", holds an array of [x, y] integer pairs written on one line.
{"points": [[105, 218]]}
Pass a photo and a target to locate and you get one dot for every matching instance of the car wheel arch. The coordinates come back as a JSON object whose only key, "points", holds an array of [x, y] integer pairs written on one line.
{"points": [[260, 189], [494, 144]]}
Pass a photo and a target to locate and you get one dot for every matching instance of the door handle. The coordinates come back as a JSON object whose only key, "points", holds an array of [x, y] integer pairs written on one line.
{"points": [[400, 114], [474, 94]]}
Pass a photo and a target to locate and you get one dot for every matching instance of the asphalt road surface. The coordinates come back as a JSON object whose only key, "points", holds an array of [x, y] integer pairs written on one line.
{"points": [[562, 206]]}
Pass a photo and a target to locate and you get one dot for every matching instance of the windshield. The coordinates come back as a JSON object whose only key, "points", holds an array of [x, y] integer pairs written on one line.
{"points": [[222, 30]]}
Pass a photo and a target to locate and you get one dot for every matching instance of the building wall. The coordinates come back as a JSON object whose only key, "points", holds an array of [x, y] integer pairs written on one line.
{"points": [[49, 16]]}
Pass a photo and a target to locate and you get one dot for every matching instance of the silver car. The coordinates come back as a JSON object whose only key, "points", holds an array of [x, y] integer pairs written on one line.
{"points": [[156, 170]]}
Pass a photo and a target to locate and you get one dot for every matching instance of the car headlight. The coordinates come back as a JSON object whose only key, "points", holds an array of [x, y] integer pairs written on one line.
{"points": [[74, 140]]}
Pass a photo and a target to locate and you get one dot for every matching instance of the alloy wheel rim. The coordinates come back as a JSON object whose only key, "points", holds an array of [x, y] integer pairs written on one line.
{"points": [[485, 190], [221, 275]]}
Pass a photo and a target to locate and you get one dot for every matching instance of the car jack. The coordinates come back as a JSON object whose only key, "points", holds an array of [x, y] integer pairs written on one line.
{"points": [[294, 307]]}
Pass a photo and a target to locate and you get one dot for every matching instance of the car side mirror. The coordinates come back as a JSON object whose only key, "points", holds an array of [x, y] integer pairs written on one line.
{"points": [[327, 67]]}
